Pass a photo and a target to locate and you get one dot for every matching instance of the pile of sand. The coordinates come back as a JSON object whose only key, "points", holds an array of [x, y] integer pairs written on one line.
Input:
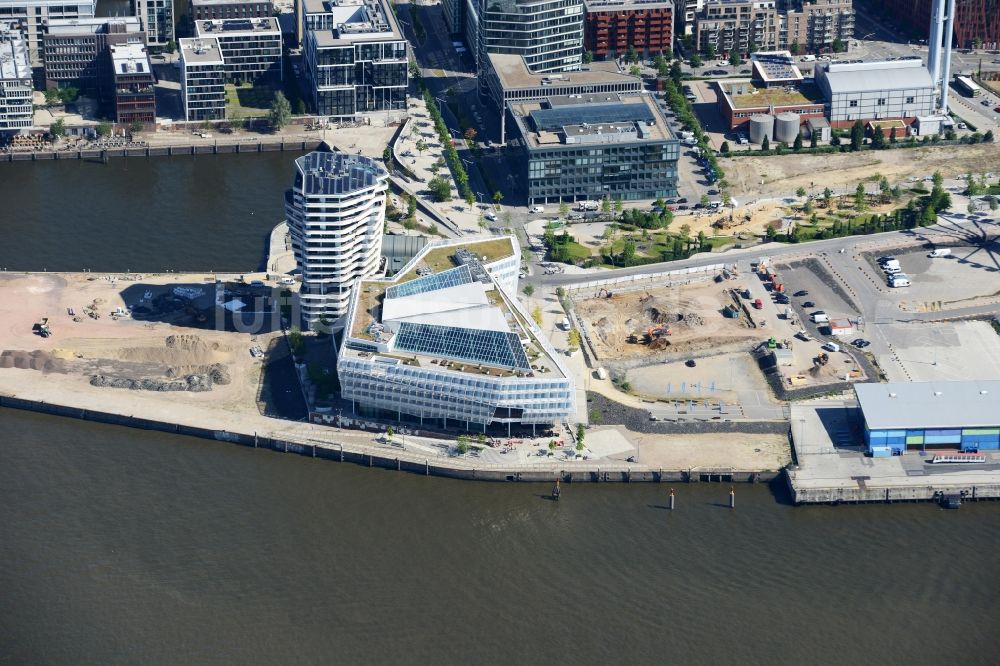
{"points": [[33, 360], [181, 352]]}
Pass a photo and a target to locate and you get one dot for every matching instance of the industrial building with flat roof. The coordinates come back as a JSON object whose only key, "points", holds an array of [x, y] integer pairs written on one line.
{"points": [[355, 58], [776, 87], [961, 415], [508, 79], [875, 90], [16, 110], [612, 27], [446, 342], [584, 147], [251, 47]]}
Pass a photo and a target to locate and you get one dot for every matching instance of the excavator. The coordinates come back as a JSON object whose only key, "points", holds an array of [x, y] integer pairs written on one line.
{"points": [[607, 294], [654, 332]]}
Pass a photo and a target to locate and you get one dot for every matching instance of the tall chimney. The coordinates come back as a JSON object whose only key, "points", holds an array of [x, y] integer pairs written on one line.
{"points": [[934, 42], [946, 70]]}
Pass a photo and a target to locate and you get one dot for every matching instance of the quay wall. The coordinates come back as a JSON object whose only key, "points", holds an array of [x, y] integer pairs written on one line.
{"points": [[889, 494], [216, 148], [401, 460]]}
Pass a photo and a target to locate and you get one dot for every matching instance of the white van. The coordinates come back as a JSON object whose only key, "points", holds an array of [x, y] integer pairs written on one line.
{"points": [[832, 347], [820, 318], [899, 280], [940, 252], [807, 58], [588, 205]]}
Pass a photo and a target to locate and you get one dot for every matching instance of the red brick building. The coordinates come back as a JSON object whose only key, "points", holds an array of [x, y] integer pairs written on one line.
{"points": [[612, 26], [974, 19]]}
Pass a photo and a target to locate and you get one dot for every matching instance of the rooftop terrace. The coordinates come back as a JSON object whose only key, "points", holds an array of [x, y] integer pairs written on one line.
{"points": [[744, 95]]}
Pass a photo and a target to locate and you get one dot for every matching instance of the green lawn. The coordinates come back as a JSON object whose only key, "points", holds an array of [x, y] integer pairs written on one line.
{"points": [[248, 101]]}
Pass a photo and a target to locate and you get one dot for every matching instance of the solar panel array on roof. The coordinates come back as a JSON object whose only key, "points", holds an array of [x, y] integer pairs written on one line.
{"points": [[337, 173], [495, 348], [449, 278], [237, 24], [547, 120], [775, 66]]}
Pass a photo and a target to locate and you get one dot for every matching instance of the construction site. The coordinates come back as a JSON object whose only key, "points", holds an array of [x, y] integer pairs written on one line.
{"points": [[715, 337]]}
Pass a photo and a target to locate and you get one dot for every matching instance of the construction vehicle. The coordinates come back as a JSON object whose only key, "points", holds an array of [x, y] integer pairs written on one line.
{"points": [[758, 304], [654, 332], [607, 294], [42, 328], [822, 359], [772, 343], [731, 312]]}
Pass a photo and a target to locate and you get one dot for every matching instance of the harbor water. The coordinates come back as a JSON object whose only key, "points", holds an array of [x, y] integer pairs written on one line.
{"points": [[128, 546]]}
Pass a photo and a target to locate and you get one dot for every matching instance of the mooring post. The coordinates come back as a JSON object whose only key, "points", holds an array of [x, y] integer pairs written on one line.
{"points": [[341, 453], [671, 499], [732, 497]]}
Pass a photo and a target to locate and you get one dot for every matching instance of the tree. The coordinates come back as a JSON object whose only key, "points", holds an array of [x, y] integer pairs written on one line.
{"points": [[734, 58], [860, 198], [971, 208], [462, 445], [536, 314], [724, 148], [580, 433], [800, 192], [618, 206], [52, 96], [834, 139], [563, 209], [136, 127], [528, 290], [892, 135], [103, 129], [421, 146], [69, 94], [440, 188], [839, 46], [588, 57], [977, 43], [937, 179], [170, 47], [281, 111], [808, 207], [635, 71], [710, 51], [988, 137], [668, 54], [659, 63], [631, 55], [827, 197], [606, 205], [878, 139], [765, 144], [993, 202], [411, 206], [58, 129], [813, 139], [797, 144], [752, 48], [628, 253], [573, 339], [676, 72], [794, 48], [884, 188], [470, 134], [857, 135], [695, 60], [704, 202], [497, 197], [389, 432]]}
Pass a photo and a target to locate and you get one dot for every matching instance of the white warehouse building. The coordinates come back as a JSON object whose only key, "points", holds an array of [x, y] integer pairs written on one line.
{"points": [[875, 90], [336, 214], [447, 341]]}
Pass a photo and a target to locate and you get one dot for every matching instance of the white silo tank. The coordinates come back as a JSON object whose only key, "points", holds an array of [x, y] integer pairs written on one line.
{"points": [[761, 125], [786, 127]]}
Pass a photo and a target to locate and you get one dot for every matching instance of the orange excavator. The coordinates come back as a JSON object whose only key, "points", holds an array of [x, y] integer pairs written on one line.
{"points": [[654, 332]]}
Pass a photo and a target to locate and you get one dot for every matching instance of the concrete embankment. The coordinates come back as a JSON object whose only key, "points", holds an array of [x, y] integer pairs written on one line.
{"points": [[402, 460], [890, 493], [215, 148]]}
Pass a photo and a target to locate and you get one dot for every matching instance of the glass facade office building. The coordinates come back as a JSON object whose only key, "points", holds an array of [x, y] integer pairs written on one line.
{"points": [[591, 147]]}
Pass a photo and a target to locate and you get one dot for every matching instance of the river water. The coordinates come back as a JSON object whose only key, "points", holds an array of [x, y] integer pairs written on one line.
{"points": [[126, 546], [202, 213]]}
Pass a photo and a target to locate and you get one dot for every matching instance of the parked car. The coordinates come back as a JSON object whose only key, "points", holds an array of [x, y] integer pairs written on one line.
{"points": [[682, 200], [537, 209], [713, 191], [690, 363], [800, 293], [808, 304], [860, 343], [744, 71], [996, 109]]}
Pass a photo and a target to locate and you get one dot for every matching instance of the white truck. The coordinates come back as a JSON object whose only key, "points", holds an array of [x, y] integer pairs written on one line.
{"points": [[892, 266], [588, 205], [939, 252], [820, 318], [899, 280]]}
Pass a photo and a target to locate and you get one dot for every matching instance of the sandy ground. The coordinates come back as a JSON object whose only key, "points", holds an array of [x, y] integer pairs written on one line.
{"points": [[753, 177], [732, 451], [121, 348], [715, 378], [693, 313]]}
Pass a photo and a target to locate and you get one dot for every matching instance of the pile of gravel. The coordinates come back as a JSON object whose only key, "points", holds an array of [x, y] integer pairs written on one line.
{"points": [[193, 383]]}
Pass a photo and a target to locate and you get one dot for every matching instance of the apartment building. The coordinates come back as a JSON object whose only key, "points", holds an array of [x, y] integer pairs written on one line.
{"points": [[548, 34], [804, 26], [251, 47], [355, 58], [16, 111], [453, 346], [215, 10], [74, 49], [131, 84], [336, 216], [158, 18], [34, 14], [815, 25], [203, 79], [614, 26]]}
